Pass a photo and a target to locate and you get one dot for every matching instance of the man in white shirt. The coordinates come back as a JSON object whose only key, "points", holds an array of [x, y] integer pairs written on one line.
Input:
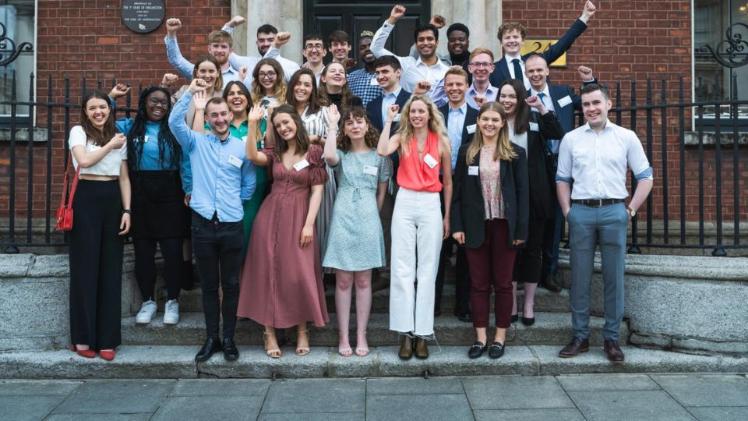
{"points": [[427, 67], [314, 52], [591, 189], [480, 65]]}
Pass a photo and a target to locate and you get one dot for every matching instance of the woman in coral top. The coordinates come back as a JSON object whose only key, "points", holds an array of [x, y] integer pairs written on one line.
{"points": [[418, 226]]}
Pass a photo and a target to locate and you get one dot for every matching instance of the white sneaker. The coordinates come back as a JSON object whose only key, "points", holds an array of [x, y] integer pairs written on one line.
{"points": [[171, 312], [147, 310]]}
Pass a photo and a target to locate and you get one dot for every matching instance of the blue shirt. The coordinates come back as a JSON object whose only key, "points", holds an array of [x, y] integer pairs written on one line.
{"points": [[387, 100], [222, 175], [360, 83], [183, 66], [455, 121]]}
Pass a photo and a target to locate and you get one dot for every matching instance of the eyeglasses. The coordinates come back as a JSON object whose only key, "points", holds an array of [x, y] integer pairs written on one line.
{"points": [[480, 64], [266, 75], [314, 47]]}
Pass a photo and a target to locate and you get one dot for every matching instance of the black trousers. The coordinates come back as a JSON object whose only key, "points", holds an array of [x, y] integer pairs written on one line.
{"points": [[96, 265], [462, 282], [145, 265], [218, 257], [528, 266]]}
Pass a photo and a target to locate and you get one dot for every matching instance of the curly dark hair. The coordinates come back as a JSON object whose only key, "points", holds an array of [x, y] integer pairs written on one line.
{"points": [[370, 138]]}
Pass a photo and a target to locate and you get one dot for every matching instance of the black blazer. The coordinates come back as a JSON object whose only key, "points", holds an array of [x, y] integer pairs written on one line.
{"points": [[540, 168], [501, 68], [374, 110], [468, 213], [471, 116]]}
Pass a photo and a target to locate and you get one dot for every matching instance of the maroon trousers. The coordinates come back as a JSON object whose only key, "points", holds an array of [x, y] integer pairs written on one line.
{"points": [[492, 264]]}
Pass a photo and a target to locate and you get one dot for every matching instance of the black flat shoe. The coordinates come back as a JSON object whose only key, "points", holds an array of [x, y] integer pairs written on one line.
{"points": [[515, 318], [211, 346], [230, 352], [496, 350], [528, 321], [477, 350]]}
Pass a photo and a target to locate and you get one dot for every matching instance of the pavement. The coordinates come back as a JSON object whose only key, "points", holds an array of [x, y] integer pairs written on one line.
{"points": [[638, 397]]}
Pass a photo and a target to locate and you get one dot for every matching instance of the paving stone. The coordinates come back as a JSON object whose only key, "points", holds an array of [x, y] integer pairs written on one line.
{"points": [[316, 416], [121, 396], [629, 405], [21, 408], [316, 396], [431, 407], [109, 417], [514, 392], [555, 414], [415, 386], [37, 387], [222, 387], [353, 366], [705, 389], [577, 382], [209, 408], [734, 413], [254, 363]]}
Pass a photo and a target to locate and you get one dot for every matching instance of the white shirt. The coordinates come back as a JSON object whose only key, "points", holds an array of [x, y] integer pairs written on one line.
{"points": [[510, 65], [414, 70], [597, 163], [109, 165]]}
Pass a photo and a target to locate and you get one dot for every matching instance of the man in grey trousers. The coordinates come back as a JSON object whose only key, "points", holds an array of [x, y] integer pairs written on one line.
{"points": [[591, 188]]}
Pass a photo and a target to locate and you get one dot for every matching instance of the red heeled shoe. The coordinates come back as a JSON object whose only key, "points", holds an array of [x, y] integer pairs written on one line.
{"points": [[85, 353], [107, 354]]}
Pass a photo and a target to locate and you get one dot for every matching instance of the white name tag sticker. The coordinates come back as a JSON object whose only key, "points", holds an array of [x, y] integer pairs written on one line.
{"points": [[564, 101], [371, 170], [146, 138], [534, 126], [301, 165], [471, 129], [235, 161], [473, 170], [430, 161], [396, 118], [373, 82]]}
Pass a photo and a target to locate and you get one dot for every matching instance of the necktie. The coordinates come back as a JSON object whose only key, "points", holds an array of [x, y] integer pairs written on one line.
{"points": [[541, 95], [517, 69]]}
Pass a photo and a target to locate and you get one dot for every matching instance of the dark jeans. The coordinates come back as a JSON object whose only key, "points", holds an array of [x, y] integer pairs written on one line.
{"points": [[218, 247], [145, 265]]}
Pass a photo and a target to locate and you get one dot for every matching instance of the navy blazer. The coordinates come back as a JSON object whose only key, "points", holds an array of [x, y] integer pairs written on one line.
{"points": [[471, 116], [501, 68], [468, 212], [374, 110]]}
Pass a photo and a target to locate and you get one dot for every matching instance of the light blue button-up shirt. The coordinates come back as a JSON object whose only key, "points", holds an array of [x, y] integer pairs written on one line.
{"points": [[184, 67], [455, 122], [222, 176], [387, 100]]}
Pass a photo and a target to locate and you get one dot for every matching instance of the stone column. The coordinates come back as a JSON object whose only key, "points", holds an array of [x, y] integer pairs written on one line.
{"points": [[482, 17], [286, 15]]}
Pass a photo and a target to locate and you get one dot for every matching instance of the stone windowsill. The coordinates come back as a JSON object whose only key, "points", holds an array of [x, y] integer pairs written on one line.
{"points": [[692, 138], [22, 135]]}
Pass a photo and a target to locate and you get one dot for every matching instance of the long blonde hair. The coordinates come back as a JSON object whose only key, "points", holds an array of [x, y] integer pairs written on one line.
{"points": [[436, 124], [504, 149]]}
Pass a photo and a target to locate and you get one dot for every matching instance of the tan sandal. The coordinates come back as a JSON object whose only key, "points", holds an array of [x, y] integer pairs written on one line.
{"points": [[271, 352], [302, 350]]}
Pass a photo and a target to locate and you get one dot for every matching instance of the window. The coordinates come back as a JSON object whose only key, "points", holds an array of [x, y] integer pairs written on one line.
{"points": [[17, 17]]}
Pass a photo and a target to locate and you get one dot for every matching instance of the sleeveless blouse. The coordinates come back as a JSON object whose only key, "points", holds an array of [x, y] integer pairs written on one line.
{"points": [[414, 173]]}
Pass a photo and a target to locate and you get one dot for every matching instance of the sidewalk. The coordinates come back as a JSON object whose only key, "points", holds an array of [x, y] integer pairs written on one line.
{"points": [[638, 397]]}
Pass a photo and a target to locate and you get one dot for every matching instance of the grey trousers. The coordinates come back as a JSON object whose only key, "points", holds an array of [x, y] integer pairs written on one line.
{"points": [[589, 227]]}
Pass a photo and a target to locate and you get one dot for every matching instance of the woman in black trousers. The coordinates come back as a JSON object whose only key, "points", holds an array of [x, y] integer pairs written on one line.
{"points": [[102, 217]]}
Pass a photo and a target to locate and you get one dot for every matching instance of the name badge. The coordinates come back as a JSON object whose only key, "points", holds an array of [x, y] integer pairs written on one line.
{"points": [[473, 170], [235, 161], [373, 82], [301, 165], [534, 126], [430, 161], [564, 101], [146, 138], [371, 170], [471, 129]]}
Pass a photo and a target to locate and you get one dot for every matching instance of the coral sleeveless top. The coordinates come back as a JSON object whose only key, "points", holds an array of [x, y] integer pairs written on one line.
{"points": [[421, 173]]}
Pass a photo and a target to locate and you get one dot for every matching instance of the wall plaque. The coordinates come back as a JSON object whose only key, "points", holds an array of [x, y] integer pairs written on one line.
{"points": [[142, 16]]}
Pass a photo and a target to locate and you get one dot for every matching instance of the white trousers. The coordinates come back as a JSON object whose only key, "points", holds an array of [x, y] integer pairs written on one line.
{"points": [[416, 243]]}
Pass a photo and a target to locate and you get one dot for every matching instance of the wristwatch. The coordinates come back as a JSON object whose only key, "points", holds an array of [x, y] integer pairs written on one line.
{"points": [[631, 211], [127, 211]]}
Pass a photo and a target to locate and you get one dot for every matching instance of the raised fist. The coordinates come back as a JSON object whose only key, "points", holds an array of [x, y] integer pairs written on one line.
{"points": [[172, 26], [169, 80], [120, 89], [198, 85], [589, 9], [281, 39], [438, 21], [585, 73], [236, 21], [397, 12]]}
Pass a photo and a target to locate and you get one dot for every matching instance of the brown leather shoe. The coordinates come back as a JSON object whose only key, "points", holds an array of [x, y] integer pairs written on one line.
{"points": [[574, 348], [406, 347], [613, 351], [422, 350]]}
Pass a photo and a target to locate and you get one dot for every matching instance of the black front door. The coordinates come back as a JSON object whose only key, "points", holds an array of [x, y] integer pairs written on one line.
{"points": [[324, 16]]}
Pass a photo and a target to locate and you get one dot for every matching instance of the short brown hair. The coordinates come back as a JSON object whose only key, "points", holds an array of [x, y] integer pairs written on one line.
{"points": [[216, 100], [512, 26], [478, 51], [220, 36], [456, 70]]}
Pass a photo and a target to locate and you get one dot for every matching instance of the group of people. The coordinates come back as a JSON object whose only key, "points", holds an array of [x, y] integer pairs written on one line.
{"points": [[271, 174]]}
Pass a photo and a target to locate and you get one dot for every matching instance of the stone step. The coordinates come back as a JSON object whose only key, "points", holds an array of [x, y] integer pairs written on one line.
{"points": [[168, 362], [549, 329], [545, 301]]}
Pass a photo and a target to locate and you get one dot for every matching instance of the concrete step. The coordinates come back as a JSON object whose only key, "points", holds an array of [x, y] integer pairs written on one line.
{"points": [[549, 329], [165, 362], [545, 301]]}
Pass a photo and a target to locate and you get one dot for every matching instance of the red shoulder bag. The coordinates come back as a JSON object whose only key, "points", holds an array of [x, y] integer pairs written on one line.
{"points": [[65, 210]]}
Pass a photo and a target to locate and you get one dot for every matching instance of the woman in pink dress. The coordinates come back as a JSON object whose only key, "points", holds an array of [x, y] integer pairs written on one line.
{"points": [[282, 278]]}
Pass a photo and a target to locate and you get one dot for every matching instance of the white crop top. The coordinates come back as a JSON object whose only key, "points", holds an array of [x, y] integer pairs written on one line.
{"points": [[109, 165]]}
